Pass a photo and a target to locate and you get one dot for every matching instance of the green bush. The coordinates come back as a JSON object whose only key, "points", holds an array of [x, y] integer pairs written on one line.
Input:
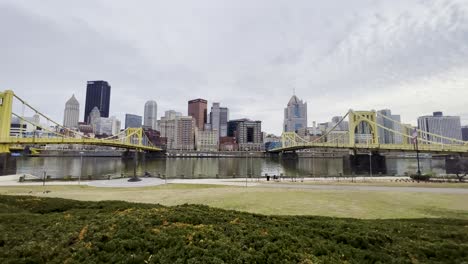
{"points": [[422, 177], [52, 230]]}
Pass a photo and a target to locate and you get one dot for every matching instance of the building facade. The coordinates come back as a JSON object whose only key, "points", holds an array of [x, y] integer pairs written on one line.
{"points": [[248, 134], [386, 136], [185, 133], [219, 117], [295, 115], [178, 131], [133, 121], [207, 140], [197, 109], [447, 126], [71, 114], [151, 115], [94, 117], [103, 127], [465, 133], [97, 95]]}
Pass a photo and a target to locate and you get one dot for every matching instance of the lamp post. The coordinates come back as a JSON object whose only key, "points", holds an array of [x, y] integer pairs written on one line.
{"points": [[415, 140], [246, 165], [81, 167], [370, 163]]}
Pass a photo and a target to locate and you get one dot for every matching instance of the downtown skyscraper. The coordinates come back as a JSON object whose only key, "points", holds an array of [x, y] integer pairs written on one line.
{"points": [[295, 115], [71, 113], [97, 95], [197, 109], [151, 115]]}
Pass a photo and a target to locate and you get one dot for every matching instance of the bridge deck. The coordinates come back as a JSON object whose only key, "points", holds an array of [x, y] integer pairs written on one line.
{"points": [[82, 141], [396, 147]]}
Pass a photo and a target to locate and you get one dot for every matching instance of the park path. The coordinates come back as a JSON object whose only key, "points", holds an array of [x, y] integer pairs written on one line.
{"points": [[306, 185]]}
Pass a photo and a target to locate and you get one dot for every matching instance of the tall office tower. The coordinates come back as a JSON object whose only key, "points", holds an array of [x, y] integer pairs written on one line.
{"points": [[97, 95], [197, 109], [295, 115], [71, 114], [464, 130], [219, 117], [151, 115], [133, 121], [386, 136], [248, 134], [447, 126]]}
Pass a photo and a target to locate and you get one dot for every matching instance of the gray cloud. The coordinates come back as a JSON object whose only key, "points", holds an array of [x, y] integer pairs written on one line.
{"points": [[410, 56]]}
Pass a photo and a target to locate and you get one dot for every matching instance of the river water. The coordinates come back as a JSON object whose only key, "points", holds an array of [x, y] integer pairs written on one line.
{"points": [[100, 167]]}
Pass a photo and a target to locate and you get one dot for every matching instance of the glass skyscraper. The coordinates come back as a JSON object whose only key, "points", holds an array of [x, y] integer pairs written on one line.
{"points": [[97, 95]]}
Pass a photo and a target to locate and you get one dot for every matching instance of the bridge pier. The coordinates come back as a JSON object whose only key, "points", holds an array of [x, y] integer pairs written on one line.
{"points": [[7, 164], [363, 163], [288, 155]]}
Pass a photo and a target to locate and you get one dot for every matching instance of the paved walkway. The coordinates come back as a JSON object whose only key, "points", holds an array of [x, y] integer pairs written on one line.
{"points": [[12, 180]]}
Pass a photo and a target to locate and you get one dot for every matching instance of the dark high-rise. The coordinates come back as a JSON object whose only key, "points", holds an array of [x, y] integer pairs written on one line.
{"points": [[465, 133], [97, 95], [197, 109]]}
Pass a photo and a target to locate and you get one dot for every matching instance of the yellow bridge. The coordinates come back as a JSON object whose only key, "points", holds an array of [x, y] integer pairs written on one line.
{"points": [[131, 138], [363, 134]]}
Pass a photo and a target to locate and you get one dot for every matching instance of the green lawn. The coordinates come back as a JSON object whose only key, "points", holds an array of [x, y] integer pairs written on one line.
{"points": [[336, 203], [51, 230]]}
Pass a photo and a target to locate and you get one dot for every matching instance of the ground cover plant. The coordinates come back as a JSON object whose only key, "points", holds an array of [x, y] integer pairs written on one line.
{"points": [[54, 230]]}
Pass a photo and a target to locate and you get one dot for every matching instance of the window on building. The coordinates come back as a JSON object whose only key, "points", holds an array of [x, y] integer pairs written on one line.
{"points": [[297, 113], [250, 134]]}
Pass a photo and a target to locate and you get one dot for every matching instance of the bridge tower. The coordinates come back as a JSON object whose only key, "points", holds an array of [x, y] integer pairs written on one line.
{"points": [[358, 117], [6, 103], [136, 136]]}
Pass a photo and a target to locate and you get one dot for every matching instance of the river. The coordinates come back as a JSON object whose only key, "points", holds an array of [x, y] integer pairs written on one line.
{"points": [[101, 167]]}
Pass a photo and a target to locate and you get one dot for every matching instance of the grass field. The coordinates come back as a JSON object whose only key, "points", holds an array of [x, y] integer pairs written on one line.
{"points": [[269, 201], [51, 230]]}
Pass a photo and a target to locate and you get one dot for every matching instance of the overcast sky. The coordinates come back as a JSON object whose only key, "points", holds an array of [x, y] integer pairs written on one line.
{"points": [[410, 56]]}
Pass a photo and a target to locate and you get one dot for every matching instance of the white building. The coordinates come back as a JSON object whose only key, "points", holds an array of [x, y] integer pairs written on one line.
{"points": [[295, 115], [447, 126], [207, 140], [116, 125], [151, 115], [71, 113], [94, 117], [103, 126], [178, 130]]}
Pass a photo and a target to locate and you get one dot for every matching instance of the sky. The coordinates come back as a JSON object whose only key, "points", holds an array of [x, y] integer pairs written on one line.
{"points": [[410, 56]]}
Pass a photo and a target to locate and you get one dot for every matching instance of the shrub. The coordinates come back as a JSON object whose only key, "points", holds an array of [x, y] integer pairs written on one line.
{"points": [[52, 230], [422, 177]]}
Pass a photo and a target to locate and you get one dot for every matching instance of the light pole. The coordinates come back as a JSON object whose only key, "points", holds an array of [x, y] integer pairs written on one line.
{"points": [[370, 163], [246, 165], [81, 167]]}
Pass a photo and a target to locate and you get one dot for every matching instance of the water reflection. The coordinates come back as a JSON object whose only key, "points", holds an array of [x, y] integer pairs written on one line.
{"points": [[59, 167]]}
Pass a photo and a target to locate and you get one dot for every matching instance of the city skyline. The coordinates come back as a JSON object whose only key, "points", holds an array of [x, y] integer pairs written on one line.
{"points": [[249, 60]]}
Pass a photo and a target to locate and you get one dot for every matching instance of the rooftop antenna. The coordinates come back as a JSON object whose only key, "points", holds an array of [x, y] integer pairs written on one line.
{"points": [[294, 90]]}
